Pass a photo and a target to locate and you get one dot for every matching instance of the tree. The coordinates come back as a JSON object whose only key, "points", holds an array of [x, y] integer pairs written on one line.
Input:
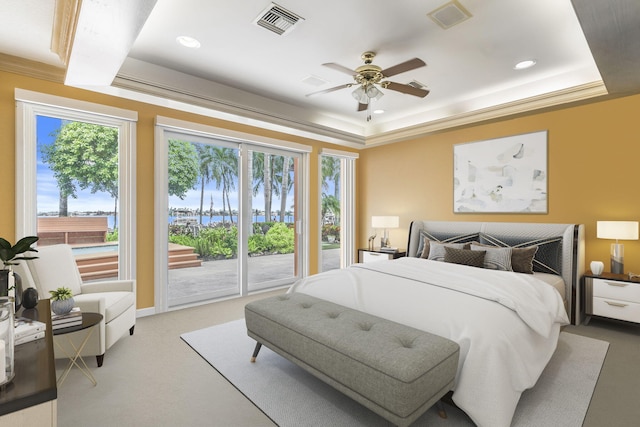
{"points": [[183, 168], [331, 172], [282, 181], [224, 170], [267, 183], [206, 158], [85, 156]]}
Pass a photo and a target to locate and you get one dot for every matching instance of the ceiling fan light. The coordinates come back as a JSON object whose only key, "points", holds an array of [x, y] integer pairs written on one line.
{"points": [[374, 93], [360, 95]]}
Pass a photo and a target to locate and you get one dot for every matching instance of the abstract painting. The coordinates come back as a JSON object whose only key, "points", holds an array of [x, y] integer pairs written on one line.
{"points": [[503, 175]]}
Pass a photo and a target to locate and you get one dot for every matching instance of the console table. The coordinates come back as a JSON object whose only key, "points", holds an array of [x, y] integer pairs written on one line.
{"points": [[30, 399]]}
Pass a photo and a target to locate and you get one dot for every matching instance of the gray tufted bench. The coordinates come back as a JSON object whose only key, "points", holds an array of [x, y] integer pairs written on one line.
{"points": [[395, 370]]}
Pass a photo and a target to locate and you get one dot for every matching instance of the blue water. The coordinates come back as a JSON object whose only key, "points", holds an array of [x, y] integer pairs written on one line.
{"points": [[206, 219], [94, 249]]}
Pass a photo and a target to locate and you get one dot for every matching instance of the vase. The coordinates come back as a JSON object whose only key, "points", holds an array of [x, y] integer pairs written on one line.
{"points": [[597, 267], [5, 284], [62, 306], [6, 339], [30, 298]]}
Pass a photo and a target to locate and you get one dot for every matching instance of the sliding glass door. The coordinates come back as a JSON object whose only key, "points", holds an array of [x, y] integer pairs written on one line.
{"points": [[202, 240], [337, 209], [228, 216], [272, 239]]}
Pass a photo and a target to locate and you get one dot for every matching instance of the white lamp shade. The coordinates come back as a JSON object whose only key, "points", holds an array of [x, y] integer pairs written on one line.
{"points": [[619, 230], [385, 221]]}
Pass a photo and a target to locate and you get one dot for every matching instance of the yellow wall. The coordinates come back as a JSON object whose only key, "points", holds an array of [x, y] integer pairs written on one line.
{"points": [[145, 155], [593, 153]]}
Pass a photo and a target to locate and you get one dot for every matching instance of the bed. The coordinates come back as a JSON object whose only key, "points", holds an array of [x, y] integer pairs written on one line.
{"points": [[507, 323]]}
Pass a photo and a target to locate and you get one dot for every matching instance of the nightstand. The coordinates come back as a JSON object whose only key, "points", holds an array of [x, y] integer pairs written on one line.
{"points": [[366, 255], [612, 295]]}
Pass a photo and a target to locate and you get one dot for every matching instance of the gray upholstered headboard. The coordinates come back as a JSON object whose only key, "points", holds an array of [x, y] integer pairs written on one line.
{"points": [[565, 244]]}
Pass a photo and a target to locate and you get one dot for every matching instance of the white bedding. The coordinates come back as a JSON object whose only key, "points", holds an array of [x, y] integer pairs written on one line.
{"points": [[507, 324]]}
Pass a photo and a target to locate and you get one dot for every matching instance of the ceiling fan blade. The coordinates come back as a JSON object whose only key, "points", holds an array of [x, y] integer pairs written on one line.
{"points": [[331, 89], [340, 68], [411, 64], [362, 107], [410, 90]]}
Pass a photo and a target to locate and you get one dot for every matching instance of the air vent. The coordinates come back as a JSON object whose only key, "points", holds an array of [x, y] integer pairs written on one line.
{"points": [[314, 81], [450, 14], [277, 19]]}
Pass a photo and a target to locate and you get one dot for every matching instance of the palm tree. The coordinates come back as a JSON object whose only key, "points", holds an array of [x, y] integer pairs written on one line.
{"points": [[224, 171], [331, 172], [206, 158]]}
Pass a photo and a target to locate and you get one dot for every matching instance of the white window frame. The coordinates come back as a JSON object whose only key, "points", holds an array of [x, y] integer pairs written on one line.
{"points": [[30, 104], [347, 205], [168, 126]]}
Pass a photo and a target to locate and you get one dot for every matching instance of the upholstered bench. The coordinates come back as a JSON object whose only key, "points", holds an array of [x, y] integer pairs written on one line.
{"points": [[395, 370]]}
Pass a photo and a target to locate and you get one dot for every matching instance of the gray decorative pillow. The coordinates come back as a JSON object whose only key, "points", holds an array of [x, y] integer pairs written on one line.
{"points": [[426, 247], [464, 256], [495, 258], [522, 259], [436, 251]]}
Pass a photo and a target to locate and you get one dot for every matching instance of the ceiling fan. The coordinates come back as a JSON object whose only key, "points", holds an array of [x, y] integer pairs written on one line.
{"points": [[367, 76]]}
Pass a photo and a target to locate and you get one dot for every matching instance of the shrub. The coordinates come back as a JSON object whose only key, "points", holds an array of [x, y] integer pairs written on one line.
{"points": [[280, 238]]}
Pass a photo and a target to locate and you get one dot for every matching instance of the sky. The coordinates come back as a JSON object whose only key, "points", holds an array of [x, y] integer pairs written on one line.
{"points": [[48, 194]]}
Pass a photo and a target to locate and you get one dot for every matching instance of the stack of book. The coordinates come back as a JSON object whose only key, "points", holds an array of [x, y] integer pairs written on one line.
{"points": [[60, 321], [27, 330]]}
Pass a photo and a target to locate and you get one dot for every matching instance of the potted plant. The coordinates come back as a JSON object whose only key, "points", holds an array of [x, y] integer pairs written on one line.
{"points": [[62, 300], [9, 257]]}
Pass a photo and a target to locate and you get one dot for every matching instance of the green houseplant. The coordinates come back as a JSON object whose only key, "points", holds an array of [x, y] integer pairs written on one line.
{"points": [[61, 300], [9, 257], [9, 253]]}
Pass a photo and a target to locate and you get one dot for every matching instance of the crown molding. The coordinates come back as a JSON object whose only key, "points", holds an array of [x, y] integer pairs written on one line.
{"points": [[528, 105], [25, 67], [65, 21]]}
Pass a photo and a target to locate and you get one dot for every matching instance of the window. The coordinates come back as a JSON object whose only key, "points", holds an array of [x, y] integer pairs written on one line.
{"points": [[89, 205]]}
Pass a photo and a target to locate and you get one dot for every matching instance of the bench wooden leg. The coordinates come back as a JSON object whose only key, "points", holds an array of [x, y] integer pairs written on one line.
{"points": [[256, 351], [440, 407]]}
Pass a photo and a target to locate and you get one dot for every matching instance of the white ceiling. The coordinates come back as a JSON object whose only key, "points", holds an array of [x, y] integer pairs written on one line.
{"points": [[246, 73]]}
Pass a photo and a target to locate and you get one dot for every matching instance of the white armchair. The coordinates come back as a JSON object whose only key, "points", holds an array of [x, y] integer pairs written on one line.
{"points": [[114, 299]]}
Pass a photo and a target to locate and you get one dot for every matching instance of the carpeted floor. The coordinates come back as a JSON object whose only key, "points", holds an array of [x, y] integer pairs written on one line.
{"points": [[291, 397]]}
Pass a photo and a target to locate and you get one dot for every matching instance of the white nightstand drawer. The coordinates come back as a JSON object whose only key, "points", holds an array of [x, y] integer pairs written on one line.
{"points": [[623, 291], [375, 256], [616, 309]]}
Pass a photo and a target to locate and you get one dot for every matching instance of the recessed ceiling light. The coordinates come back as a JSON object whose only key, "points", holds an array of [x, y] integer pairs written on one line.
{"points": [[187, 41], [524, 64], [378, 112]]}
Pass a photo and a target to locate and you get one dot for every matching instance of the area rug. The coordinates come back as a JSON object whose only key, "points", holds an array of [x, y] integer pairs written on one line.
{"points": [[292, 397]]}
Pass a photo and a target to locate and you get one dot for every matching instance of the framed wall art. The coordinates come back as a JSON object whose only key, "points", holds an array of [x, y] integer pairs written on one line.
{"points": [[503, 175]]}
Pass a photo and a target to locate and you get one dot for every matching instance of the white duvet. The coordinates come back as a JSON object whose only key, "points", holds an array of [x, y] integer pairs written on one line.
{"points": [[507, 324]]}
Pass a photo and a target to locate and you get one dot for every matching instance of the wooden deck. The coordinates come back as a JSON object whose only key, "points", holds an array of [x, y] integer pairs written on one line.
{"points": [[73, 230], [104, 265]]}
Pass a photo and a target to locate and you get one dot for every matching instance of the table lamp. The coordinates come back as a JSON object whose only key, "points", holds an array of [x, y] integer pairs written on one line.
{"points": [[385, 222], [619, 230]]}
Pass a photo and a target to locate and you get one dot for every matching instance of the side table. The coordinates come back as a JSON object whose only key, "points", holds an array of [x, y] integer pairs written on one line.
{"points": [[616, 296], [367, 255], [89, 320]]}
